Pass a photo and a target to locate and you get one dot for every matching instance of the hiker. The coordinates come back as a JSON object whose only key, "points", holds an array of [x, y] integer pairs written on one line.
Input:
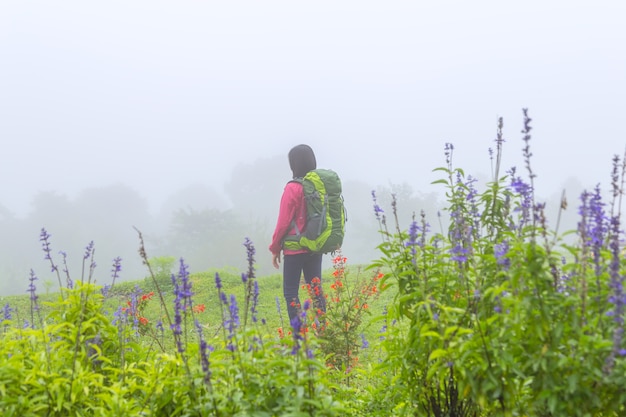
{"points": [[293, 213]]}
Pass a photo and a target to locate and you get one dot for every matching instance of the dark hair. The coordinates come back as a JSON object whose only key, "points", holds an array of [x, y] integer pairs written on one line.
{"points": [[301, 160]]}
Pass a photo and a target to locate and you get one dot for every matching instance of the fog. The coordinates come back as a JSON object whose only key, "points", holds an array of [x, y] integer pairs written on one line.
{"points": [[176, 118]]}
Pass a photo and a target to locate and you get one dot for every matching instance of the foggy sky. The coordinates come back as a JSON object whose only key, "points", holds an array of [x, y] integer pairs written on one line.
{"points": [[160, 95]]}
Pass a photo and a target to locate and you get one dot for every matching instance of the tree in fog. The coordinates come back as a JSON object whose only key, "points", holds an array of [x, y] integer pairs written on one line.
{"points": [[207, 238], [192, 197], [255, 188]]}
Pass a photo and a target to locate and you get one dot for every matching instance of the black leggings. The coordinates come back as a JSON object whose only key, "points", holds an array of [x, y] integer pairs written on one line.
{"points": [[293, 267]]}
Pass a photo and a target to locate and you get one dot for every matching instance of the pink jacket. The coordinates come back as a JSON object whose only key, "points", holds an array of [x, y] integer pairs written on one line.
{"points": [[292, 206]]}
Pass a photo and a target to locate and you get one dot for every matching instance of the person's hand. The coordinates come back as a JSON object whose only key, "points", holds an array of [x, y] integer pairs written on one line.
{"points": [[276, 260]]}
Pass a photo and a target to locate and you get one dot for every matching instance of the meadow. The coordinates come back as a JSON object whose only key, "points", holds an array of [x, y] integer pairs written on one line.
{"points": [[495, 314]]}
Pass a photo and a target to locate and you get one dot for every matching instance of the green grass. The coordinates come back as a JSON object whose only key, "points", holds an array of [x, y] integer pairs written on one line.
{"points": [[205, 292]]}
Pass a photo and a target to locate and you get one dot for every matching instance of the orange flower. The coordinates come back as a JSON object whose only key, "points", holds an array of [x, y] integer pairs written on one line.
{"points": [[200, 308], [281, 333], [143, 320]]}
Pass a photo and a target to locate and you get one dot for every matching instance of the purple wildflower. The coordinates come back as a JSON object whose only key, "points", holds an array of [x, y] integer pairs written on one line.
{"points": [[471, 199], [118, 316], [500, 250], [413, 232], [105, 290], [232, 323], [525, 192], [377, 209], [6, 311], [218, 281], [250, 252], [44, 238], [34, 305], [364, 343], [448, 148], [460, 238], [296, 325], [205, 350], [66, 271], [89, 249], [526, 151], [117, 267], [498, 307], [185, 283]]}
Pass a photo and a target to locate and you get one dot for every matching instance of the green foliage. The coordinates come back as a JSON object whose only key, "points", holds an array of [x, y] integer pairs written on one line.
{"points": [[495, 318], [86, 361], [162, 268]]}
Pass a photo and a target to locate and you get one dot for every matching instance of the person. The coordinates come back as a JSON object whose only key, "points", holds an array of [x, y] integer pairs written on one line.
{"points": [[301, 261]]}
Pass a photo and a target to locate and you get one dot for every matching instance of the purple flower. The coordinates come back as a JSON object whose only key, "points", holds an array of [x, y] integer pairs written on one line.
{"points": [[526, 151], [448, 148], [500, 251], [413, 231], [460, 238], [105, 290], [525, 192], [205, 350], [218, 281], [250, 252], [296, 326], [233, 321], [185, 283], [117, 267], [7, 311], [364, 343], [89, 249], [44, 238], [377, 209], [34, 305], [68, 280]]}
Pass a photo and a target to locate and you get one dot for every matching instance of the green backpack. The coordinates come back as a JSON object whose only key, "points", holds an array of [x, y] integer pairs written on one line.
{"points": [[326, 216]]}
